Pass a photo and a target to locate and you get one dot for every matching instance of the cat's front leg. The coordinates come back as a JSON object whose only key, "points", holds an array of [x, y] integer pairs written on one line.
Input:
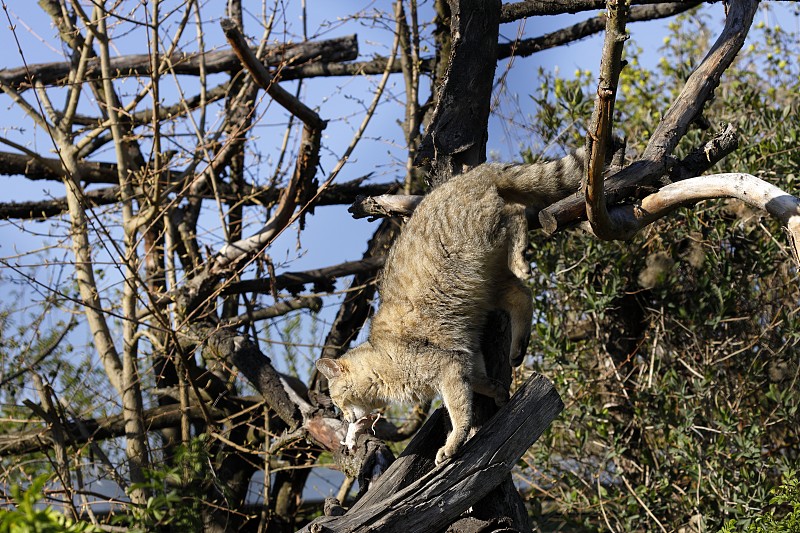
{"points": [[456, 392]]}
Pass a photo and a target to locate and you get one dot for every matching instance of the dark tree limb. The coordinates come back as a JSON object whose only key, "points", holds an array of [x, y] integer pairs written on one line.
{"points": [[302, 181], [456, 138], [338, 49], [242, 352], [527, 47], [12, 164], [535, 8], [706, 156], [655, 162], [264, 79], [434, 500], [313, 303], [322, 278]]}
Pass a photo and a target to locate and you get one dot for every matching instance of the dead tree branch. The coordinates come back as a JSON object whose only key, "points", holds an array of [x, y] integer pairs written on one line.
{"points": [[536, 8], [750, 189], [337, 49], [654, 162], [322, 278], [576, 32], [598, 135], [313, 303]]}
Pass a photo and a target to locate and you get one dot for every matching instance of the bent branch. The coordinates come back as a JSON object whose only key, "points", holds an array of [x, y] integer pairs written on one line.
{"points": [[654, 161], [746, 187]]}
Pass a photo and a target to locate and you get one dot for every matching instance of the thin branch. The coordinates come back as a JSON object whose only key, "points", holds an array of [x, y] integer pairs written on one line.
{"points": [[598, 135], [264, 79], [322, 278], [313, 303], [655, 160], [536, 8], [527, 47], [336, 194]]}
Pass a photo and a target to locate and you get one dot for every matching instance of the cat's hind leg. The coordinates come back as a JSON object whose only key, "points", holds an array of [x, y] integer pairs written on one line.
{"points": [[515, 298]]}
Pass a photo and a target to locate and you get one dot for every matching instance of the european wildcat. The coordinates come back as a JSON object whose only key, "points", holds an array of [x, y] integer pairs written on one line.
{"points": [[459, 257]]}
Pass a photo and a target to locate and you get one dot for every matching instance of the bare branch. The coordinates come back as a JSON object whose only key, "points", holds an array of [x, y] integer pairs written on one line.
{"points": [[526, 47], [322, 278], [279, 309], [262, 76], [708, 155], [750, 189], [654, 162], [534, 8], [598, 135], [338, 49]]}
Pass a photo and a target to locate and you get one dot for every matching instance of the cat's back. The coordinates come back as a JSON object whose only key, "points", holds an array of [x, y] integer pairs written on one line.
{"points": [[436, 277]]}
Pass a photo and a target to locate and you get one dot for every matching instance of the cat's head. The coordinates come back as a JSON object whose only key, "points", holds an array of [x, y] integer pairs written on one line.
{"points": [[351, 386]]}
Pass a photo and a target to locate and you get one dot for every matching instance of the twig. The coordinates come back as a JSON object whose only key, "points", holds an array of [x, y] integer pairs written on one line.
{"points": [[644, 506]]}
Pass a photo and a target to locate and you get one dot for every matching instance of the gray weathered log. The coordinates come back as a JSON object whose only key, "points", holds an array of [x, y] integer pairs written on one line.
{"points": [[437, 498]]}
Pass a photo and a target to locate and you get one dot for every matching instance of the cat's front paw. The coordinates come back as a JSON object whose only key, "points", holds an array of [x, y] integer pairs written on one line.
{"points": [[441, 456]]}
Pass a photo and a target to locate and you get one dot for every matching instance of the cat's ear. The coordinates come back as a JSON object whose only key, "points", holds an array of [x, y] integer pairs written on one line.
{"points": [[332, 368]]}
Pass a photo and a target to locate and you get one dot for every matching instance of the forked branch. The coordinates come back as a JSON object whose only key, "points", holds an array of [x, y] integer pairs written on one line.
{"points": [[655, 161]]}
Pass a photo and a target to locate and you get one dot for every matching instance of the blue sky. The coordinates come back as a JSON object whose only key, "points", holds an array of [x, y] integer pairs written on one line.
{"points": [[331, 235]]}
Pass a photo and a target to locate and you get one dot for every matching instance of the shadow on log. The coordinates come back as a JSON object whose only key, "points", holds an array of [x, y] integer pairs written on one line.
{"points": [[410, 497]]}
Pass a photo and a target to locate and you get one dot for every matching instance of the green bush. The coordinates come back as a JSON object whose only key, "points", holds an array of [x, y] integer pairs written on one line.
{"points": [[28, 515]]}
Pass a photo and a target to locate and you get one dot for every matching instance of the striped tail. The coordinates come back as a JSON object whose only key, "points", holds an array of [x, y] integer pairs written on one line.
{"points": [[541, 184]]}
